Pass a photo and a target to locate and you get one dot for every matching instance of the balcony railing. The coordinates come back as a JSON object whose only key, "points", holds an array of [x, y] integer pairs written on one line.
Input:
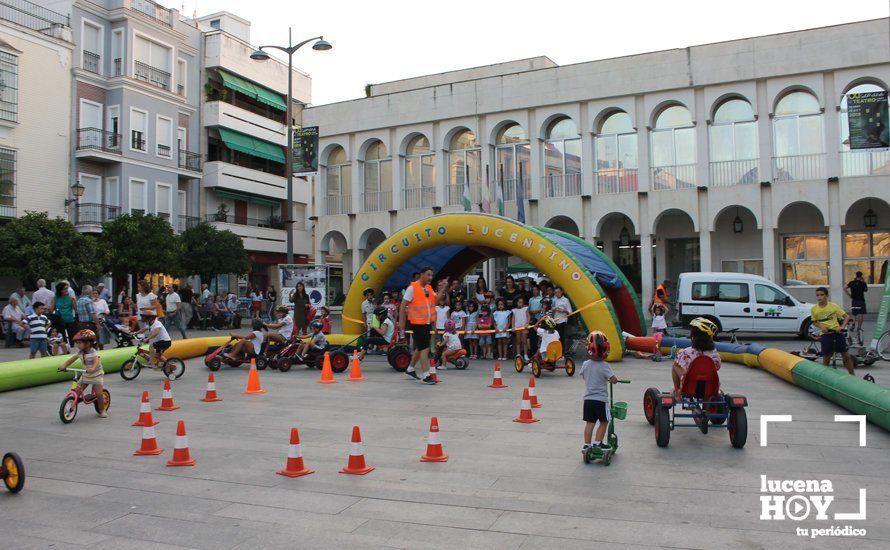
{"points": [[380, 201], [420, 197], [681, 176], [617, 180], [157, 12], [180, 89], [86, 213], [509, 189], [94, 138], [152, 75], [137, 140], [799, 167], [562, 185], [7, 211], [91, 62], [454, 194], [733, 172], [268, 223], [865, 163], [118, 67], [189, 161], [32, 16], [337, 204], [164, 150], [187, 222]]}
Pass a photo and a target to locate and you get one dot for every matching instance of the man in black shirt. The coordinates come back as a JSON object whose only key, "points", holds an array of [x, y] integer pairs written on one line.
{"points": [[856, 290]]}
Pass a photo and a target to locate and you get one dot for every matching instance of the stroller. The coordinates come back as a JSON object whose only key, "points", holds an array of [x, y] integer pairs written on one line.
{"points": [[123, 338]]}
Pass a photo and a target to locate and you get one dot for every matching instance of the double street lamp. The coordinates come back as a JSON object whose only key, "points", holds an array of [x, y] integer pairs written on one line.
{"points": [[260, 54]]}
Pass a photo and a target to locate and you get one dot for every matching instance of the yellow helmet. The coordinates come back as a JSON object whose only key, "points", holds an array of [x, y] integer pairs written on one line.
{"points": [[705, 325]]}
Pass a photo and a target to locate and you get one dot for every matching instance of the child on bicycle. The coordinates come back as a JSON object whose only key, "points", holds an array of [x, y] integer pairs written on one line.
{"points": [[450, 343], [249, 345], [316, 343], [155, 334], [85, 341], [597, 375]]}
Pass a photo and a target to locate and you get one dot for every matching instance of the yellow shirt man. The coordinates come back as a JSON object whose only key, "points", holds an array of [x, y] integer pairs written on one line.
{"points": [[829, 316]]}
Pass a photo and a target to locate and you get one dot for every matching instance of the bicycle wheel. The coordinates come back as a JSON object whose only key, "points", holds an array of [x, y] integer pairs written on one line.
{"points": [[174, 366], [884, 346], [68, 409], [130, 369]]}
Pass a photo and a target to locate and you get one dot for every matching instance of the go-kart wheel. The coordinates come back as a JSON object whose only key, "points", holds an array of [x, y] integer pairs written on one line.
{"points": [[650, 402], [536, 368], [662, 426], [570, 366], [738, 427], [107, 395], [14, 472], [339, 361], [130, 369], [261, 362], [284, 365], [214, 364], [176, 367], [68, 409], [461, 363], [399, 358], [518, 364]]}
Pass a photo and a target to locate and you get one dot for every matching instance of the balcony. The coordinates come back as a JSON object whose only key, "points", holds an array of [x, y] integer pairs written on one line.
{"points": [[680, 176], [91, 62], [865, 163], [97, 144], [561, 185], [153, 11], [118, 67], [164, 151], [733, 172], [152, 75], [186, 222], [91, 216], [337, 204], [33, 16], [509, 189], [272, 222], [454, 194], [254, 182], [617, 180], [799, 167], [7, 211], [380, 201], [189, 161], [262, 235], [221, 113], [419, 197]]}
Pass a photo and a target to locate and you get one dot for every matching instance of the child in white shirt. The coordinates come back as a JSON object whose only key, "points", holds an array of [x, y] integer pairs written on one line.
{"points": [[520, 328], [441, 314]]}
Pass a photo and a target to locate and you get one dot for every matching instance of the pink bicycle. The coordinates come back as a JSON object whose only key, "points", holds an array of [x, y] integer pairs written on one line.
{"points": [[76, 397]]}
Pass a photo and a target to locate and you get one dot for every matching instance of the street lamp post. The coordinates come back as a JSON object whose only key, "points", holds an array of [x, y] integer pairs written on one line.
{"points": [[260, 55]]}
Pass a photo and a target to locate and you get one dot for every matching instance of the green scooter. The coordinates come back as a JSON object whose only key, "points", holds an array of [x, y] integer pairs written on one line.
{"points": [[619, 412]]}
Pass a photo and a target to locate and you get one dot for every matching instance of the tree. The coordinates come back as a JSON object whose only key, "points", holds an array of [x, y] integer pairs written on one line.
{"points": [[138, 245], [208, 252], [36, 246]]}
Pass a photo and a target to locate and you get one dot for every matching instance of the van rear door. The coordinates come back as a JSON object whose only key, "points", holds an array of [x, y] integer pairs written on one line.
{"points": [[730, 302]]}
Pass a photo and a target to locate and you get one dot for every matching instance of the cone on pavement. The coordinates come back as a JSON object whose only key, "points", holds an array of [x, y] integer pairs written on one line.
{"points": [[145, 418], [167, 398], [356, 464], [181, 455], [525, 413], [533, 393], [497, 381], [253, 380], [434, 452], [355, 369], [210, 395], [294, 466], [149, 444], [327, 373]]}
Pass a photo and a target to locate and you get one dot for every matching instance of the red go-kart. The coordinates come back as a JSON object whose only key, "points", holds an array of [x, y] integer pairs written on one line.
{"points": [[700, 400]]}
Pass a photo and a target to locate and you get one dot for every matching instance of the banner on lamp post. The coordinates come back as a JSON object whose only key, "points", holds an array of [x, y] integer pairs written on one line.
{"points": [[305, 151], [867, 119]]}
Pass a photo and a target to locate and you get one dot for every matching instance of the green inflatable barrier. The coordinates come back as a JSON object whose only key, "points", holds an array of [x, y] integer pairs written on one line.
{"points": [[850, 392], [36, 372]]}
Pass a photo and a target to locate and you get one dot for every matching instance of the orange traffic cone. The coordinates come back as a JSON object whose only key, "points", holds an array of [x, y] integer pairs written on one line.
{"points": [[149, 443], [145, 418], [181, 455], [294, 466], [525, 413], [433, 373], [253, 380], [434, 452], [167, 398], [327, 373], [533, 393], [355, 369], [356, 464], [497, 381], [210, 395]]}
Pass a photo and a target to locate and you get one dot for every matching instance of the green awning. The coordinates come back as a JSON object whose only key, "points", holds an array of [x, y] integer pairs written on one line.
{"points": [[257, 92], [251, 145], [247, 198], [522, 267]]}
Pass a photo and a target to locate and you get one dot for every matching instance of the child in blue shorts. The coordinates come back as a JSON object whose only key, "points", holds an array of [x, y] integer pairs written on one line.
{"points": [[597, 375]]}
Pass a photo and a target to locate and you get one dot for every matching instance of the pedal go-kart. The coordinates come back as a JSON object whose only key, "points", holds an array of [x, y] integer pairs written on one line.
{"points": [[75, 397], [312, 359], [458, 359], [396, 352], [12, 472], [619, 412], [216, 358], [701, 400], [549, 361]]}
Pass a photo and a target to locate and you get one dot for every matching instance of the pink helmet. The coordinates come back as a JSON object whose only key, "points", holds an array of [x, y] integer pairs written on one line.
{"points": [[449, 326]]}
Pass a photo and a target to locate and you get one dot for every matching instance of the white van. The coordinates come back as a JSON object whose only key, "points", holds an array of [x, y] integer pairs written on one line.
{"points": [[747, 303]]}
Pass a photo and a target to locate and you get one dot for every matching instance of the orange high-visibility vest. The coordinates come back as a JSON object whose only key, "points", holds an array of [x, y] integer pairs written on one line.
{"points": [[422, 307], [656, 299]]}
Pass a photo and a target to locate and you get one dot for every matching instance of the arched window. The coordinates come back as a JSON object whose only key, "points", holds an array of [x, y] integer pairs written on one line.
{"points": [[513, 154], [420, 174], [797, 138], [733, 136], [377, 178], [562, 159], [857, 160], [616, 154], [673, 149], [338, 182], [464, 167]]}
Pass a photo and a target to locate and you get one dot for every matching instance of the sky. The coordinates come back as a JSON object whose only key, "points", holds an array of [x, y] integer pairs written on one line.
{"points": [[388, 40]]}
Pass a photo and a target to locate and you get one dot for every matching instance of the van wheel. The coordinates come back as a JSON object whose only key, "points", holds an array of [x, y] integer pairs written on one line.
{"points": [[805, 329]]}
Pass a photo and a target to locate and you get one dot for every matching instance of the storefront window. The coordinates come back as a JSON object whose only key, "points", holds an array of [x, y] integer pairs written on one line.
{"points": [[805, 260], [868, 252]]}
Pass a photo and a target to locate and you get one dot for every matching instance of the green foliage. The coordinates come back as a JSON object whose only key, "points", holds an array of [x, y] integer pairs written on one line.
{"points": [[139, 244], [35, 246], [208, 252]]}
